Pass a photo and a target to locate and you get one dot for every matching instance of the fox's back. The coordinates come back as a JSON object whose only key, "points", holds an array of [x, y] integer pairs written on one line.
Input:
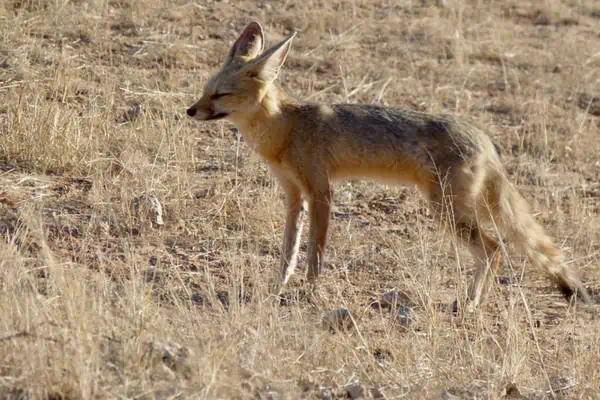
{"points": [[359, 136]]}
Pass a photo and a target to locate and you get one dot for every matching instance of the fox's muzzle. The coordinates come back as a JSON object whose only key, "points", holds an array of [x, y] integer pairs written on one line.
{"points": [[192, 111]]}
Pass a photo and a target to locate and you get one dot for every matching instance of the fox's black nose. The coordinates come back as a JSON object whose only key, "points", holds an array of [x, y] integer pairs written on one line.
{"points": [[191, 111]]}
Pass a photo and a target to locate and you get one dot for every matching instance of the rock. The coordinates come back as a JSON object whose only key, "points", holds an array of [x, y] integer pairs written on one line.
{"points": [[324, 393], [354, 389], [541, 17], [436, 3], [589, 103], [404, 316], [173, 356], [446, 395], [337, 320], [377, 392], [504, 280], [153, 275], [394, 298], [512, 392], [562, 384], [131, 114], [268, 393], [382, 356], [147, 206], [197, 299], [391, 299]]}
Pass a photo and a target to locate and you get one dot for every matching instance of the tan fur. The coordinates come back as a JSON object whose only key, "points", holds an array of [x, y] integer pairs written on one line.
{"points": [[310, 146]]}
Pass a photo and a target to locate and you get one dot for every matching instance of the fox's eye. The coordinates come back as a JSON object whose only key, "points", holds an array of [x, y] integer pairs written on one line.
{"points": [[219, 95]]}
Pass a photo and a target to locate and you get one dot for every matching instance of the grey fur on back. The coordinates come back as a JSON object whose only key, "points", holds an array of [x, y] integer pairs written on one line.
{"points": [[377, 131]]}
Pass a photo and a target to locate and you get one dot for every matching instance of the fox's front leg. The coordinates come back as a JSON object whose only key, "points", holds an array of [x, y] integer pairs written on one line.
{"points": [[293, 230], [319, 210]]}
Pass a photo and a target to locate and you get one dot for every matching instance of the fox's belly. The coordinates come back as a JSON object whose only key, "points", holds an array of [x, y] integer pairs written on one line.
{"points": [[403, 172]]}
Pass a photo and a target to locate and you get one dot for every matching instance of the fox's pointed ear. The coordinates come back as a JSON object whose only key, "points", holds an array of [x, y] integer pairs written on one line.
{"points": [[248, 46], [267, 66]]}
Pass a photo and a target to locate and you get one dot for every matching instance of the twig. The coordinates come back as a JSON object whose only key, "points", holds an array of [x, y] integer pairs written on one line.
{"points": [[25, 333]]}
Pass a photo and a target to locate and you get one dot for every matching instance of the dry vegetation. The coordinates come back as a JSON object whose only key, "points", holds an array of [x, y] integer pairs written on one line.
{"points": [[93, 95]]}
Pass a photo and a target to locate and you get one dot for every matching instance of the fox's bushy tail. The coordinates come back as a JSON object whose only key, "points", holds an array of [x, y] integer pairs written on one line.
{"points": [[531, 239]]}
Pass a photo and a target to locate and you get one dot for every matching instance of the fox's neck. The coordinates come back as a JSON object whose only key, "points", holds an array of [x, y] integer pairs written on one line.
{"points": [[267, 129]]}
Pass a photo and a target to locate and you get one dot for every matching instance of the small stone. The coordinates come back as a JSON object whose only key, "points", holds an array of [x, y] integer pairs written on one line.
{"points": [[354, 389], [435, 3], [404, 316], [197, 299], [173, 356], [153, 274], [147, 206], [512, 392], [446, 395], [589, 103], [562, 384], [337, 320], [131, 114], [382, 356], [324, 393], [377, 392], [504, 280], [391, 299], [541, 18], [269, 393]]}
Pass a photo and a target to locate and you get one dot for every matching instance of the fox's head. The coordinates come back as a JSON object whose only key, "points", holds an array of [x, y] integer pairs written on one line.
{"points": [[240, 85]]}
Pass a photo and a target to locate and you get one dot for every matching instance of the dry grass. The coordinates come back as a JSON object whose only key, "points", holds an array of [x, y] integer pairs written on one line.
{"points": [[89, 294]]}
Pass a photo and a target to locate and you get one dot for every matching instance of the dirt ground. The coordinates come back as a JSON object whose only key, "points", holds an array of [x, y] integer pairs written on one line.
{"points": [[96, 301]]}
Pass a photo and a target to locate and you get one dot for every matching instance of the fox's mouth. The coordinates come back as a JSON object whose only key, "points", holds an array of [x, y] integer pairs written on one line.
{"points": [[192, 112], [217, 116]]}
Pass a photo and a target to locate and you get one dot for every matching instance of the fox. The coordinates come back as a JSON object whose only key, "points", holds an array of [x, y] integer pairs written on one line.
{"points": [[309, 147]]}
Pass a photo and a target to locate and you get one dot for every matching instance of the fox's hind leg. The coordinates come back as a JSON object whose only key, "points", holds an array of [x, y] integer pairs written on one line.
{"points": [[458, 201], [486, 252], [484, 248]]}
